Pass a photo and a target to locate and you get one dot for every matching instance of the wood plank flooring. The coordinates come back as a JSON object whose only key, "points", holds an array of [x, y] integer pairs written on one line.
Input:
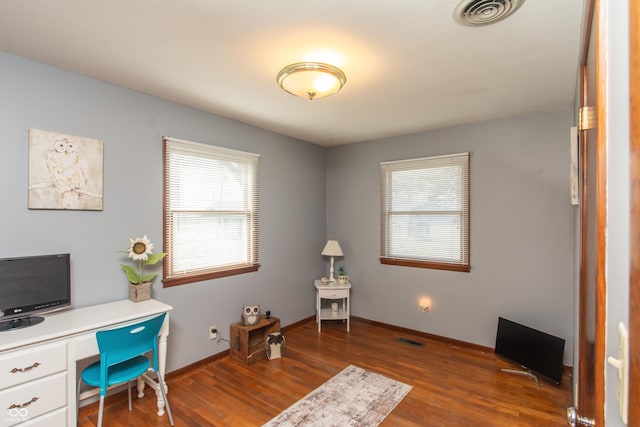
{"points": [[452, 385]]}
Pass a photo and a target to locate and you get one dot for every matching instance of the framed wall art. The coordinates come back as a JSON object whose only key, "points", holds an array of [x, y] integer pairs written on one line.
{"points": [[65, 171]]}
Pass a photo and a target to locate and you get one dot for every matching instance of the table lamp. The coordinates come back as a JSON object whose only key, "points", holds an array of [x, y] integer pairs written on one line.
{"points": [[332, 249]]}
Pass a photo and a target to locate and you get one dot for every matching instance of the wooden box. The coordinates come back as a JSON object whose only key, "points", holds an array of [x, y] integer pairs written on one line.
{"points": [[248, 342]]}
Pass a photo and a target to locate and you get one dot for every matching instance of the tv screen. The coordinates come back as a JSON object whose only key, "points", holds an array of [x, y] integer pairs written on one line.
{"points": [[532, 349], [32, 285]]}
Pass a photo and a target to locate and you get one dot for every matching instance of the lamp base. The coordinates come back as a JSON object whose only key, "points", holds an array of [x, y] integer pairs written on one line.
{"points": [[331, 270]]}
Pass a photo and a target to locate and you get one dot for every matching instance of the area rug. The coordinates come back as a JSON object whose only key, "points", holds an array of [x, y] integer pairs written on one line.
{"points": [[353, 397]]}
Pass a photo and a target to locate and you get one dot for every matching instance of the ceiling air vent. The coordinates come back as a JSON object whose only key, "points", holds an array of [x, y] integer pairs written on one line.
{"points": [[484, 12]]}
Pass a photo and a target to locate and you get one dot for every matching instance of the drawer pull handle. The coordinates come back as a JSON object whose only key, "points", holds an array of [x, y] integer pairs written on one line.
{"points": [[28, 368], [23, 405]]}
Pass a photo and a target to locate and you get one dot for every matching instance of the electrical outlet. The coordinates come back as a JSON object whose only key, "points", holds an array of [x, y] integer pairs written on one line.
{"points": [[213, 332]]}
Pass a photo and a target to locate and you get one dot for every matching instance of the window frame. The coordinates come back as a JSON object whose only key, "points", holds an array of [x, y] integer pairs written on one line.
{"points": [[386, 170], [171, 278]]}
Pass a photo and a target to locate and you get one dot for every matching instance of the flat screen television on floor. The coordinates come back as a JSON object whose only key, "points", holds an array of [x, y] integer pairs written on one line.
{"points": [[534, 350], [33, 285]]}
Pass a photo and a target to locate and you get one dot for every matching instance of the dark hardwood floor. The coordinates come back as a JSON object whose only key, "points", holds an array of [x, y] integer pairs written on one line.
{"points": [[452, 385]]}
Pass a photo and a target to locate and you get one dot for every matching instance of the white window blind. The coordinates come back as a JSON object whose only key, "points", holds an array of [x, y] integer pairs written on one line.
{"points": [[210, 211], [425, 212]]}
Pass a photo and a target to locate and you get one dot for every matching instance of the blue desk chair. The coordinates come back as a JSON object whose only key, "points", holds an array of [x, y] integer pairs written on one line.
{"points": [[122, 359]]}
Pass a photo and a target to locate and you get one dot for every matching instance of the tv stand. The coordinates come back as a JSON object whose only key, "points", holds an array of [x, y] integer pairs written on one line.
{"points": [[526, 373], [20, 322]]}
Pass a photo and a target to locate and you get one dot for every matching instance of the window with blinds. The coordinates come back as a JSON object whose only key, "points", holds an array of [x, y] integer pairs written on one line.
{"points": [[424, 212], [210, 212]]}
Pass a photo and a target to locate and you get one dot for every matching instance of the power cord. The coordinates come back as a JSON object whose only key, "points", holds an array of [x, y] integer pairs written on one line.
{"points": [[221, 339]]}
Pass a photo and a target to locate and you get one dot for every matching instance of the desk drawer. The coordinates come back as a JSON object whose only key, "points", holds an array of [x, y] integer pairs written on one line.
{"points": [[334, 293], [86, 346], [36, 398], [25, 365], [57, 418]]}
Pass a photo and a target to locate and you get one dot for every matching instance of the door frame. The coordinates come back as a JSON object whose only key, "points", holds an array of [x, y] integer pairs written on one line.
{"points": [[601, 221], [634, 216], [594, 21]]}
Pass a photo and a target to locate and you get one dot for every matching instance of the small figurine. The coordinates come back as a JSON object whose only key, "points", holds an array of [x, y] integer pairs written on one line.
{"points": [[250, 314], [275, 345]]}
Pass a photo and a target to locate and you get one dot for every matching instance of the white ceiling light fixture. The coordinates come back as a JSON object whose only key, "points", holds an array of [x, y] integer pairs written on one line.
{"points": [[475, 13], [311, 79]]}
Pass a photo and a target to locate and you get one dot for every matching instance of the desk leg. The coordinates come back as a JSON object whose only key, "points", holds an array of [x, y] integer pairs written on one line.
{"points": [[140, 387], [162, 363]]}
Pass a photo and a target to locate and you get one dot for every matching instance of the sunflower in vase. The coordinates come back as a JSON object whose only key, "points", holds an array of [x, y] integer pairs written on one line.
{"points": [[141, 252]]}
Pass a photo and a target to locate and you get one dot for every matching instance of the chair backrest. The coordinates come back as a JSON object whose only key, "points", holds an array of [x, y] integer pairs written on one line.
{"points": [[124, 343]]}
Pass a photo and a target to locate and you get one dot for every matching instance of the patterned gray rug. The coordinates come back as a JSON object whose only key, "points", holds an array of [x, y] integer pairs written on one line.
{"points": [[353, 397]]}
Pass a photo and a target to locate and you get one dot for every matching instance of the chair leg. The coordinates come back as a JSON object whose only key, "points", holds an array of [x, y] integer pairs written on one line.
{"points": [[100, 410], [129, 391], [164, 396]]}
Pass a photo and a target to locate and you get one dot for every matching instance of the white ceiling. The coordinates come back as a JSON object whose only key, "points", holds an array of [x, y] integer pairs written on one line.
{"points": [[410, 67]]}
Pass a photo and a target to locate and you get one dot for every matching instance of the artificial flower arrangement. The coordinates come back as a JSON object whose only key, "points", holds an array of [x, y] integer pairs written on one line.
{"points": [[140, 251]]}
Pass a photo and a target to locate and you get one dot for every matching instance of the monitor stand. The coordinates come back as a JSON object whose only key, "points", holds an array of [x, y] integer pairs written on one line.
{"points": [[526, 373], [20, 322]]}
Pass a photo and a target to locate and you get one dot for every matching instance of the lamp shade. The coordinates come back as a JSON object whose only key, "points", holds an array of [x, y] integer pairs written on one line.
{"points": [[332, 248], [311, 79]]}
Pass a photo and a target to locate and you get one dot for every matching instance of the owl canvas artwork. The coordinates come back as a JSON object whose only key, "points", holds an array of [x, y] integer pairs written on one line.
{"points": [[65, 172]]}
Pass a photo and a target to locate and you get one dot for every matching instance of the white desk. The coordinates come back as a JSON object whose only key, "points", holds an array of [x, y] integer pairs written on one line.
{"points": [[38, 363], [332, 291]]}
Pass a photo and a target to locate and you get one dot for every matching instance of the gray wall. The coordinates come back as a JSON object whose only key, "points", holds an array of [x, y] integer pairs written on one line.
{"points": [[131, 124], [521, 231], [519, 202]]}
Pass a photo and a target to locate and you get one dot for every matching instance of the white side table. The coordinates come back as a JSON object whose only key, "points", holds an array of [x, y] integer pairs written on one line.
{"points": [[332, 291]]}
